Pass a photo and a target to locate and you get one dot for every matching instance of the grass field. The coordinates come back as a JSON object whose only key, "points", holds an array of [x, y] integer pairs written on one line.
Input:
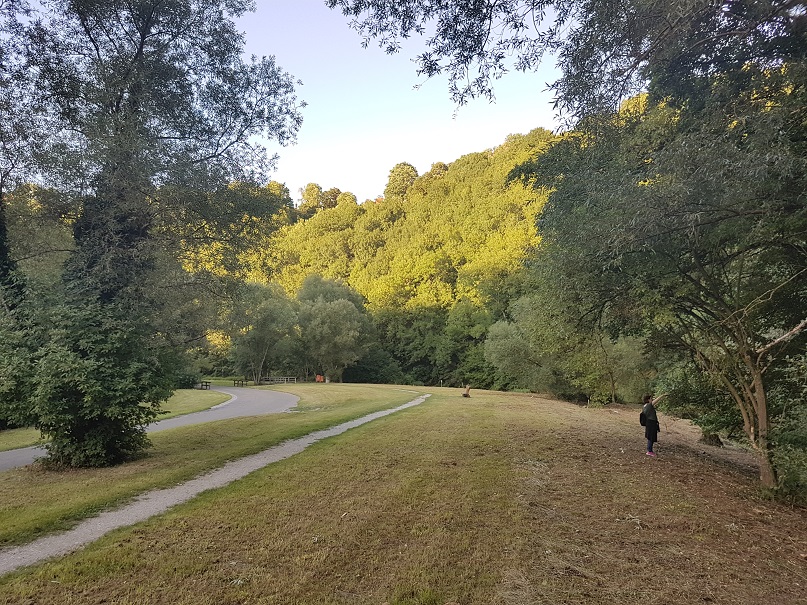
{"points": [[501, 498], [183, 401], [35, 501]]}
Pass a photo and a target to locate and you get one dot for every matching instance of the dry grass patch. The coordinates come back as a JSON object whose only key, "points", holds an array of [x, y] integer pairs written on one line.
{"points": [[505, 499]]}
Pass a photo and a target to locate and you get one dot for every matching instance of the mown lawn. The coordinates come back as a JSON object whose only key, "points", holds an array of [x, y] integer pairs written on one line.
{"points": [[183, 401], [501, 498], [35, 501]]}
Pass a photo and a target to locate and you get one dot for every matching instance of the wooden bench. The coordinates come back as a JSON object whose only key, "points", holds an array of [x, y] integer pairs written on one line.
{"points": [[204, 385], [239, 383]]}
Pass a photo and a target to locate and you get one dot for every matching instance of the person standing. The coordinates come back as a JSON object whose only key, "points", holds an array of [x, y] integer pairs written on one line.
{"points": [[651, 424]]}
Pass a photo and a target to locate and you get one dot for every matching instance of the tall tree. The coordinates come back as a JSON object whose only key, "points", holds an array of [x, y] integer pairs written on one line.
{"points": [[266, 318], [150, 93], [334, 327], [311, 200], [689, 234], [329, 198], [22, 132]]}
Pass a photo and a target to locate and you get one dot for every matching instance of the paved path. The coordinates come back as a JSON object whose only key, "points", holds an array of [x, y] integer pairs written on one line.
{"points": [[158, 501], [244, 402]]}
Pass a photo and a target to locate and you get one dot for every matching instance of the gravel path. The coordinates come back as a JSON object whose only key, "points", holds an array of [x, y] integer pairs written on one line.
{"points": [[158, 501]]}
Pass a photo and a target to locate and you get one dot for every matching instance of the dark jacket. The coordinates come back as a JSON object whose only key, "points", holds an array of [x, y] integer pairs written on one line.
{"points": [[652, 426]]}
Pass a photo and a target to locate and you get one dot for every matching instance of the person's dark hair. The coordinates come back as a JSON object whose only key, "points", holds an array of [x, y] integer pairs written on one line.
{"points": [[647, 398]]}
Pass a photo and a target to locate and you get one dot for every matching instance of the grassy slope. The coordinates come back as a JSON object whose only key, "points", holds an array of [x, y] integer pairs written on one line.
{"points": [[183, 401], [498, 499]]}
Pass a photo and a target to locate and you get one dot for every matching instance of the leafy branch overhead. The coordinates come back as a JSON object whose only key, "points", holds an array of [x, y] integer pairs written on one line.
{"points": [[606, 50]]}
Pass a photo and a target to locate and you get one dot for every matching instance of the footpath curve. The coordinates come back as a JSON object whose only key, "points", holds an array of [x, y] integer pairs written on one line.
{"points": [[242, 402], [158, 501]]}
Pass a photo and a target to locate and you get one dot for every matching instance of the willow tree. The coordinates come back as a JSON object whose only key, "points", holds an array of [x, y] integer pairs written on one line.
{"points": [[334, 327], [150, 96], [264, 319]]}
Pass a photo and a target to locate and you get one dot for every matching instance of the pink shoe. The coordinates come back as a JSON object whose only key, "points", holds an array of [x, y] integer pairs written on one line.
{"points": [[653, 454]]}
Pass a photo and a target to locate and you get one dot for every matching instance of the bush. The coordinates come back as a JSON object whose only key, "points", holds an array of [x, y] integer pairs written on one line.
{"points": [[791, 469], [99, 383]]}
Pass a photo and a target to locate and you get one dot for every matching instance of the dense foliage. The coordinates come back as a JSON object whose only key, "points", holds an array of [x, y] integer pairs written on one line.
{"points": [[137, 114], [679, 218], [435, 259]]}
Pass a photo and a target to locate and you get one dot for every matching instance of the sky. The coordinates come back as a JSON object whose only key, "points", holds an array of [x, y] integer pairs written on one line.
{"points": [[364, 114]]}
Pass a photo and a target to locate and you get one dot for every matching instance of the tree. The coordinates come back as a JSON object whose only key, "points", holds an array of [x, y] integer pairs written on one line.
{"points": [[16, 140], [23, 132], [311, 200], [400, 180], [346, 198], [547, 344], [459, 358], [149, 95], [219, 233], [267, 318], [334, 328], [692, 235], [334, 335], [330, 197]]}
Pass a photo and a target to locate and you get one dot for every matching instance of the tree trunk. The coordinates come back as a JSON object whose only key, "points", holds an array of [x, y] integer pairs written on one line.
{"points": [[747, 388], [767, 472]]}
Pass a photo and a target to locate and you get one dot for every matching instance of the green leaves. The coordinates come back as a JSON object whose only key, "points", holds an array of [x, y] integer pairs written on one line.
{"points": [[334, 328], [264, 320], [689, 223], [153, 118], [98, 384], [434, 259]]}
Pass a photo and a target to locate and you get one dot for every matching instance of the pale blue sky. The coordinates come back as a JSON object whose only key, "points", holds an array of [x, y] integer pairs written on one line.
{"points": [[364, 115]]}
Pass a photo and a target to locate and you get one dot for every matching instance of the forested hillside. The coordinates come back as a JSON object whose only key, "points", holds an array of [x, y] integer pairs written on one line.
{"points": [[436, 259]]}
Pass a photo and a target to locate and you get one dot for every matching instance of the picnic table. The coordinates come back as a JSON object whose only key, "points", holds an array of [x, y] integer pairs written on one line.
{"points": [[204, 385]]}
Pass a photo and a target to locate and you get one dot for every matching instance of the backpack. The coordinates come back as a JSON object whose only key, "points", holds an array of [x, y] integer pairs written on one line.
{"points": [[642, 419]]}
